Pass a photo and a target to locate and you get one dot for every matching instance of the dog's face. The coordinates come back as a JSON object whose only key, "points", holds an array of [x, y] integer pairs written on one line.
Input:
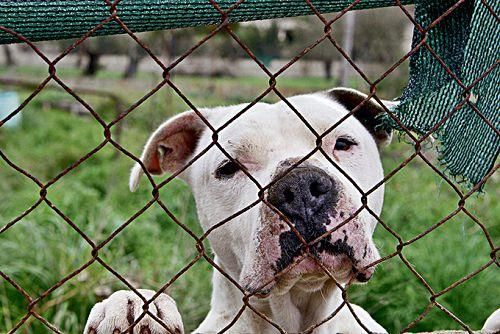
{"points": [[312, 199]]}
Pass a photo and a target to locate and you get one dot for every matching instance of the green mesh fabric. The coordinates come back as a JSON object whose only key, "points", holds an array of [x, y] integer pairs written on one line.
{"points": [[46, 20], [467, 42]]}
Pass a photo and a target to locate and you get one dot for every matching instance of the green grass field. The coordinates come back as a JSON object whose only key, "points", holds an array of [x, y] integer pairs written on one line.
{"points": [[42, 248]]}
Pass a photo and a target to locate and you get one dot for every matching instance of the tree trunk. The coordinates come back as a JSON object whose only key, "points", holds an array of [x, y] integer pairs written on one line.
{"points": [[131, 69], [80, 55], [347, 39], [93, 64], [172, 46], [133, 62], [9, 60], [327, 65]]}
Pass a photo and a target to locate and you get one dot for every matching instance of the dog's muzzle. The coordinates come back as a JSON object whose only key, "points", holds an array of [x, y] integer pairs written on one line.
{"points": [[308, 197]]}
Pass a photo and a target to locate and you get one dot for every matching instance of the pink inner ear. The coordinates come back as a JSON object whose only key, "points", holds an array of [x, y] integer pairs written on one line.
{"points": [[153, 165], [179, 146], [151, 160], [172, 144], [182, 145]]}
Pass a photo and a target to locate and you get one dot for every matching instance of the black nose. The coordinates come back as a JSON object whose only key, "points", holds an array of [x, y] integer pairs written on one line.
{"points": [[304, 194]]}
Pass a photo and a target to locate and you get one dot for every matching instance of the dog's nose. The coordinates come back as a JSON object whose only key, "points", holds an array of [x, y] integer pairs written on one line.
{"points": [[304, 194]]}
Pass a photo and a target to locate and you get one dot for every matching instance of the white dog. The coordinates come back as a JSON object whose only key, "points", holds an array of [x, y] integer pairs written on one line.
{"points": [[256, 245]]}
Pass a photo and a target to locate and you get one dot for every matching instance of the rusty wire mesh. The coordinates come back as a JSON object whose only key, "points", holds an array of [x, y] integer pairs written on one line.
{"points": [[110, 139]]}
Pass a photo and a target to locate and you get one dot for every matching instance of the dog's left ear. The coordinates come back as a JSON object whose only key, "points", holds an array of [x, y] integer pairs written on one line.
{"points": [[367, 113], [169, 147]]}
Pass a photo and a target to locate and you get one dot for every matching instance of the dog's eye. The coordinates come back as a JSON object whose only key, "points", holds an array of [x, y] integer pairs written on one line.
{"points": [[227, 169], [344, 144]]}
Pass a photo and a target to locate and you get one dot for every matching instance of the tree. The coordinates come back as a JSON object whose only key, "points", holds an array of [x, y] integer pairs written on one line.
{"points": [[305, 34], [348, 41], [381, 35], [9, 60], [134, 57], [375, 36], [94, 48]]}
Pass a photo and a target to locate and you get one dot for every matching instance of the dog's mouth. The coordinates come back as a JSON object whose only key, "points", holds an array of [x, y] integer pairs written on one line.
{"points": [[344, 255], [333, 259], [315, 266]]}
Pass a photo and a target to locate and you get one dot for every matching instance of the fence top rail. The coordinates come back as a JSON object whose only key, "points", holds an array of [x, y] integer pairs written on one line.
{"points": [[50, 20]]}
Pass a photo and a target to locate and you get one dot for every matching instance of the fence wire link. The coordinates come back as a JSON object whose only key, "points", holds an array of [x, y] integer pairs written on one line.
{"points": [[122, 113]]}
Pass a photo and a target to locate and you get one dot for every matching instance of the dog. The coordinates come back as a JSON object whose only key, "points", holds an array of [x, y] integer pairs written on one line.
{"points": [[319, 201]]}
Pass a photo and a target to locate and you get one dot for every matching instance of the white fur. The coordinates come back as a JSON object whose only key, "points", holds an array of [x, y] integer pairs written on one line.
{"points": [[261, 138], [111, 314], [492, 324]]}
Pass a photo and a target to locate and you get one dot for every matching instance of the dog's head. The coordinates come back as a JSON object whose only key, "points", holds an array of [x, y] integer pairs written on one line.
{"points": [[320, 199]]}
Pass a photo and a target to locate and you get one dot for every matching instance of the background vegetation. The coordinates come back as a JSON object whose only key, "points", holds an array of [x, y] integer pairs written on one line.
{"points": [[42, 248]]}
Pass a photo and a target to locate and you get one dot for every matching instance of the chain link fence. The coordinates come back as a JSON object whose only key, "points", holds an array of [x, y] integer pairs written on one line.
{"points": [[109, 138]]}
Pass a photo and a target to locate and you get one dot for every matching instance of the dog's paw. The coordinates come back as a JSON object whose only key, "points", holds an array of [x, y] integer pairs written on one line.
{"points": [[116, 313], [492, 324]]}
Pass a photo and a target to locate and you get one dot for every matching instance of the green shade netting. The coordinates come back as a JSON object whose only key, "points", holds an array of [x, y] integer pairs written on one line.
{"points": [[46, 20], [467, 41]]}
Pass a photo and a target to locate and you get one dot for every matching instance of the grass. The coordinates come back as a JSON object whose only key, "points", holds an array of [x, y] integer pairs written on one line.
{"points": [[42, 248]]}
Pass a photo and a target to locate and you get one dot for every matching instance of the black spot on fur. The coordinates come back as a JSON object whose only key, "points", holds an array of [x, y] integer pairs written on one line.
{"points": [[362, 278], [145, 330], [159, 313], [130, 312], [337, 248], [366, 113], [290, 249]]}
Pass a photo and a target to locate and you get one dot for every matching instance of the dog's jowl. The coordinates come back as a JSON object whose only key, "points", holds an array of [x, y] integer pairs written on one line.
{"points": [[310, 232]]}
